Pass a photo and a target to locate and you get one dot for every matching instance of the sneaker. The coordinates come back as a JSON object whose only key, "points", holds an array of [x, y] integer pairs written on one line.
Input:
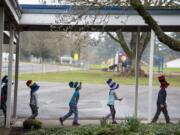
{"points": [[114, 122], [75, 124], [61, 121]]}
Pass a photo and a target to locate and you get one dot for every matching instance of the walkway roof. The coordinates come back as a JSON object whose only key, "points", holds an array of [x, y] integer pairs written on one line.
{"points": [[66, 18], [53, 17]]}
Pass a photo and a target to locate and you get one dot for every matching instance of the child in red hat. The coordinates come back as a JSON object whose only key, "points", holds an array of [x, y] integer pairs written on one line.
{"points": [[161, 101], [33, 98]]}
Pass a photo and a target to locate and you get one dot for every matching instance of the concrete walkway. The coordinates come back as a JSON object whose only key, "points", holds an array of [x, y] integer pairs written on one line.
{"points": [[47, 123], [56, 124], [54, 97]]}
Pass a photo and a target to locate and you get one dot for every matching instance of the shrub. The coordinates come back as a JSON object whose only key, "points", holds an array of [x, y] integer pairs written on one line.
{"points": [[32, 123], [130, 127], [109, 130], [103, 131], [133, 124]]}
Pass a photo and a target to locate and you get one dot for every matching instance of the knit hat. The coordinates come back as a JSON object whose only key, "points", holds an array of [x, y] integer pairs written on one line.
{"points": [[163, 82], [5, 79], [28, 82], [74, 84], [112, 84]]}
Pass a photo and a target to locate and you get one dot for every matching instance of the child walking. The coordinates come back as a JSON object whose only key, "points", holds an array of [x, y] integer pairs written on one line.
{"points": [[161, 100], [4, 86], [34, 87], [111, 100], [73, 104]]}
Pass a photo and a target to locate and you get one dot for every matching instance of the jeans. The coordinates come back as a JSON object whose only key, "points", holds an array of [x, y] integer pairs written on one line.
{"points": [[72, 109], [3, 107], [112, 113], [34, 110], [165, 112]]}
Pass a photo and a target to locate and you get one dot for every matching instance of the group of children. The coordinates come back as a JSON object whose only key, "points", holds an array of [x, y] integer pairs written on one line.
{"points": [[33, 97], [73, 108]]}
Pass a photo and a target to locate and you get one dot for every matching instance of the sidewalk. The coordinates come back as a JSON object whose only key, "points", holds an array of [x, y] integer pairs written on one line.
{"points": [[12, 131], [56, 124], [47, 123], [17, 128], [5, 131]]}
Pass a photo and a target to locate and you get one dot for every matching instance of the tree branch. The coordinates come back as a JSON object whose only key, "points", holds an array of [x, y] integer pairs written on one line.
{"points": [[122, 42], [111, 36], [144, 40], [169, 3], [172, 43], [124, 45]]}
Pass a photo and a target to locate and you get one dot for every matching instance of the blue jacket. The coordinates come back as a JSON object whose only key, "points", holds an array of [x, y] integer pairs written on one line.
{"points": [[34, 87], [75, 98], [34, 98], [161, 97]]}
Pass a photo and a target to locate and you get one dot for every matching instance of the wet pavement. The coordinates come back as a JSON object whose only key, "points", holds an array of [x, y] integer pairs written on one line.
{"points": [[54, 97]]}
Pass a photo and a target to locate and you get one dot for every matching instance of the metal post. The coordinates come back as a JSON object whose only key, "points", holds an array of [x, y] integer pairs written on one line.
{"points": [[1, 40], [16, 77], [150, 76], [8, 110], [137, 75]]}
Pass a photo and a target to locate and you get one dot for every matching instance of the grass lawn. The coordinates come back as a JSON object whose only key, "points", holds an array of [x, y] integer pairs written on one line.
{"points": [[145, 68], [96, 66], [94, 77], [166, 70]]}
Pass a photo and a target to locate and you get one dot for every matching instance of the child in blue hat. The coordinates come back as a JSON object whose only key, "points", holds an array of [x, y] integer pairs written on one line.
{"points": [[111, 100], [73, 104]]}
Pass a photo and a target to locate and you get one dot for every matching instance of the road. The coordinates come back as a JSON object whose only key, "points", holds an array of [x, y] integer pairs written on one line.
{"points": [[35, 68], [54, 97]]}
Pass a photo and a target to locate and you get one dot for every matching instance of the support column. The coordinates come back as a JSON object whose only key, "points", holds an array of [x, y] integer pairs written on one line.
{"points": [[16, 77], [11, 44], [1, 40], [137, 74], [151, 61]]}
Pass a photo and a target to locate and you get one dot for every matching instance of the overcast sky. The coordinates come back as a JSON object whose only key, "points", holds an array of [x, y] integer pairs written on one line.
{"points": [[36, 1], [28, 1]]}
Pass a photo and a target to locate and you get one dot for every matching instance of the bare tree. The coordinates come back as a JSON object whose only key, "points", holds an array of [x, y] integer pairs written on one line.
{"points": [[129, 48], [140, 8], [172, 43]]}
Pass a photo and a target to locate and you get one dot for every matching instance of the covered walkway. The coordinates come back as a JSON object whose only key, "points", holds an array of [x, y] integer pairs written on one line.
{"points": [[16, 18]]}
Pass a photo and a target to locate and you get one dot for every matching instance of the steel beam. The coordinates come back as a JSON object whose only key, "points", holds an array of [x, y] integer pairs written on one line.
{"points": [[151, 60], [13, 11], [16, 77], [8, 110], [137, 75], [1, 40]]}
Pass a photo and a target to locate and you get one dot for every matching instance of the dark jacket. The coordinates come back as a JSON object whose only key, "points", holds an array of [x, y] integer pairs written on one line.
{"points": [[4, 93], [4, 86], [161, 97]]}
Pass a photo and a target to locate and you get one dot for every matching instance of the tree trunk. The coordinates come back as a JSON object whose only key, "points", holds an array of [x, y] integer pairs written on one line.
{"points": [[132, 62], [172, 43], [131, 49]]}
